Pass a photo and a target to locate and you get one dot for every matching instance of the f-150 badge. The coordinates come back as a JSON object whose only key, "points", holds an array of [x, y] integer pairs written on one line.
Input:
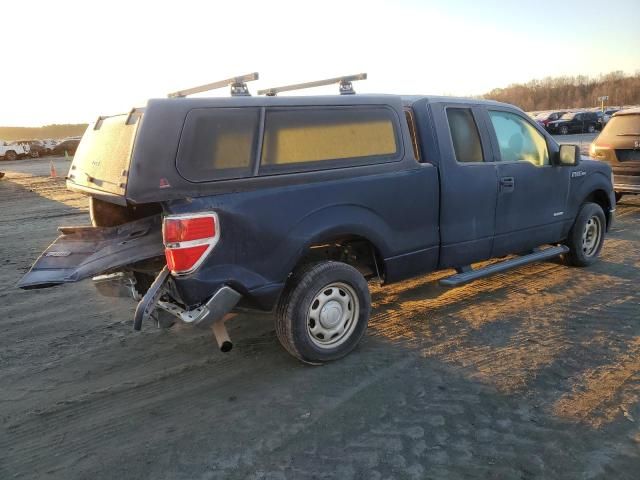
{"points": [[61, 253]]}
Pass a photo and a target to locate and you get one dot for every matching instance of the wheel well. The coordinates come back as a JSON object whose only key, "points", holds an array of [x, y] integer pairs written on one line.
{"points": [[601, 198], [354, 250]]}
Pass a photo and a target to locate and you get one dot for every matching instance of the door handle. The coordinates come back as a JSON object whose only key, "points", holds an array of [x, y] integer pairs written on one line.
{"points": [[507, 184]]}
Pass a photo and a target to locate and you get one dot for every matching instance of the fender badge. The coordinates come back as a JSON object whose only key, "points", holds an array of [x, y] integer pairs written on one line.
{"points": [[164, 183], [578, 173], [62, 253]]}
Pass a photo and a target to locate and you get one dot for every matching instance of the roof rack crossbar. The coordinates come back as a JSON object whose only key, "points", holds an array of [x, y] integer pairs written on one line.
{"points": [[238, 86], [346, 87]]}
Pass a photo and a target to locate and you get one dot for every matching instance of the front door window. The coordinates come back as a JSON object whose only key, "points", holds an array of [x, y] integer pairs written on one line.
{"points": [[519, 141]]}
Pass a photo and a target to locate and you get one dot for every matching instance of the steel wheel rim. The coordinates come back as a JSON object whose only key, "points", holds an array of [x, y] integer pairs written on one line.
{"points": [[333, 315], [591, 236]]}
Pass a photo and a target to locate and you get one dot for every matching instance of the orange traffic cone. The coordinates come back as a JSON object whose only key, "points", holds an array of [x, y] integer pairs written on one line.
{"points": [[52, 170]]}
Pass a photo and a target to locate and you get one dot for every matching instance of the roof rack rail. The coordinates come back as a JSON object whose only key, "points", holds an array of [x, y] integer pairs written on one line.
{"points": [[346, 88], [238, 86]]}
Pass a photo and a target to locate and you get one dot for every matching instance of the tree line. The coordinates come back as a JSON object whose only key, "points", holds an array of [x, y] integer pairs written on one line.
{"points": [[57, 131], [571, 92]]}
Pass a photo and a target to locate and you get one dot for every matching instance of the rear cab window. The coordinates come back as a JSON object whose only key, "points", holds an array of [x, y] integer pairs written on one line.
{"points": [[464, 135], [413, 132]]}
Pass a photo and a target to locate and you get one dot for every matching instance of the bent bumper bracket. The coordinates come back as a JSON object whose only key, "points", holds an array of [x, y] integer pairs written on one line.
{"points": [[213, 313], [148, 304]]}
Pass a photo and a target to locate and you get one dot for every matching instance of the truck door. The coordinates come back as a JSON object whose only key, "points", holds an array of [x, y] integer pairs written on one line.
{"points": [[468, 185], [532, 192]]}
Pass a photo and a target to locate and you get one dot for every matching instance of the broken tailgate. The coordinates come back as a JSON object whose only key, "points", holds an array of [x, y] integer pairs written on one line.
{"points": [[84, 252]]}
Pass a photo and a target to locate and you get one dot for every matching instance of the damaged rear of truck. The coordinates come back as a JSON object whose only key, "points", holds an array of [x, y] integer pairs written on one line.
{"points": [[127, 167], [198, 212]]}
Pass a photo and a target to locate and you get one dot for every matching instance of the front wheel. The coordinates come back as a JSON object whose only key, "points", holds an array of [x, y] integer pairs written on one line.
{"points": [[564, 130], [591, 128], [586, 237], [10, 156], [323, 312]]}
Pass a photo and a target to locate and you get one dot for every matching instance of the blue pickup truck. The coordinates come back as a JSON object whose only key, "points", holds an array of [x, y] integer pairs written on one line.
{"points": [[203, 207]]}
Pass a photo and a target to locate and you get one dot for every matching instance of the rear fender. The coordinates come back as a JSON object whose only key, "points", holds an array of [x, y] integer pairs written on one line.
{"points": [[321, 226]]}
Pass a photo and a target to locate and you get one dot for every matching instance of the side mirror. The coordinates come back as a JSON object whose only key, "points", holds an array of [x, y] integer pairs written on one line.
{"points": [[569, 155]]}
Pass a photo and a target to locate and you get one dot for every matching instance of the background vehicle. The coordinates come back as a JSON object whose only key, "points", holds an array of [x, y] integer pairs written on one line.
{"points": [[290, 204], [36, 147], [545, 117], [619, 145], [68, 145], [574, 122], [12, 151], [606, 115], [49, 144]]}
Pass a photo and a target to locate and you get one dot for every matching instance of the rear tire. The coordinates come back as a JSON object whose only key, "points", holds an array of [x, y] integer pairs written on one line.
{"points": [[10, 156], [591, 128], [564, 130], [323, 312], [586, 237]]}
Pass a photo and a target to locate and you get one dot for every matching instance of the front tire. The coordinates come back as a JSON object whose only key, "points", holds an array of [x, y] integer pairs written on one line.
{"points": [[323, 312], [10, 156], [564, 130], [586, 237], [591, 128]]}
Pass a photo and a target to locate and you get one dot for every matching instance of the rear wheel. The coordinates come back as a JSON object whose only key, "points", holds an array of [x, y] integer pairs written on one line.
{"points": [[586, 236], [564, 130], [591, 128], [10, 156], [323, 312]]}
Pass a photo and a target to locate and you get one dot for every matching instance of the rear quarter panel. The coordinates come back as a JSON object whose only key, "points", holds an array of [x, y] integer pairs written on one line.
{"points": [[265, 232]]}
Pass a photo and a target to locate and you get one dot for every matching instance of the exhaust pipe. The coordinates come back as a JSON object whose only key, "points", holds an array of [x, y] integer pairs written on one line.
{"points": [[221, 334], [212, 315]]}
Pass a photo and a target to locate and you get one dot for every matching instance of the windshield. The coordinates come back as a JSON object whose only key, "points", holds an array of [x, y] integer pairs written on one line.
{"points": [[568, 116], [623, 124]]}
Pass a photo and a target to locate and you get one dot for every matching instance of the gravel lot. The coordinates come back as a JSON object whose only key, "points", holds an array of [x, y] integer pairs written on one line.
{"points": [[530, 374]]}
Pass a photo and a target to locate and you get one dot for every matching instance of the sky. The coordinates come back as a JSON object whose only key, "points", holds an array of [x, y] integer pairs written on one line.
{"points": [[69, 61]]}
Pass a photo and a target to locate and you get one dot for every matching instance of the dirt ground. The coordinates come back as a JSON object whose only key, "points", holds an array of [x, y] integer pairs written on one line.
{"points": [[530, 374]]}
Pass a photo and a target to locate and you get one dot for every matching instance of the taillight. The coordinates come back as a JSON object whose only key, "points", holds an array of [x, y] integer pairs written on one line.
{"points": [[188, 239]]}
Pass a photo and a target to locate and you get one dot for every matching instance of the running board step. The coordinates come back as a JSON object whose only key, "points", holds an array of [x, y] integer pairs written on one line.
{"points": [[470, 275]]}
